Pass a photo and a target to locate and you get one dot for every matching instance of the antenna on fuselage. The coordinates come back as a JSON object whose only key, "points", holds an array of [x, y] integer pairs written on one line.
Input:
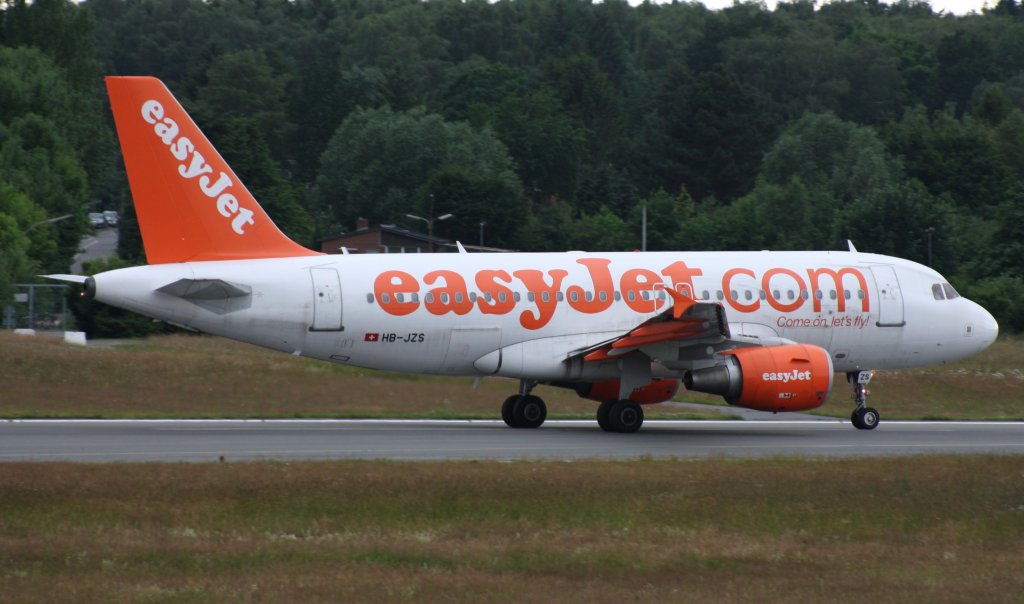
{"points": [[850, 245]]}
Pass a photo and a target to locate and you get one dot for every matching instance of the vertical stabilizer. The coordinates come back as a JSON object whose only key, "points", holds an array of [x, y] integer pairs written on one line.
{"points": [[190, 205]]}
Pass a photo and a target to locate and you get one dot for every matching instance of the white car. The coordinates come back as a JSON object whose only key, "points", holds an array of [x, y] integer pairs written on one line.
{"points": [[111, 217], [96, 220]]}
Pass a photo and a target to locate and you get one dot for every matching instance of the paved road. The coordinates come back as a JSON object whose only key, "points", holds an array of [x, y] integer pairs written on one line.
{"points": [[202, 440], [101, 244]]}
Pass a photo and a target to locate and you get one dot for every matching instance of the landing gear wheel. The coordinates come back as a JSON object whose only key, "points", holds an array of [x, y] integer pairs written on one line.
{"points": [[528, 412], [506, 410], [625, 416], [865, 418], [603, 411]]}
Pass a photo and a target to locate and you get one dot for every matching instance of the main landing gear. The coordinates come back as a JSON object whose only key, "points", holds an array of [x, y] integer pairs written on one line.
{"points": [[524, 410], [620, 416], [864, 417]]}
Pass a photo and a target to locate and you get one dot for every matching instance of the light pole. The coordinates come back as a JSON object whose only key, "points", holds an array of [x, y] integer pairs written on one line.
{"points": [[930, 230], [482, 223], [430, 225], [47, 221]]}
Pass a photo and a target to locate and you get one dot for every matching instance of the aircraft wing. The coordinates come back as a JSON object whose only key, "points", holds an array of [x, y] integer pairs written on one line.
{"points": [[685, 320]]}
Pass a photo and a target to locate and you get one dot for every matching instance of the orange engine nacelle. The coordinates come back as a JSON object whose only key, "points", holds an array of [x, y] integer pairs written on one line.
{"points": [[795, 377], [658, 391]]}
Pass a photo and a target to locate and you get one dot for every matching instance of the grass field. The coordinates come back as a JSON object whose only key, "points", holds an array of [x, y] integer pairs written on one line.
{"points": [[171, 376], [182, 376], [925, 529]]}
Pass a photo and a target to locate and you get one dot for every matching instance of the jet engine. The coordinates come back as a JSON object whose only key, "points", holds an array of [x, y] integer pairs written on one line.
{"points": [[794, 377], [658, 391]]}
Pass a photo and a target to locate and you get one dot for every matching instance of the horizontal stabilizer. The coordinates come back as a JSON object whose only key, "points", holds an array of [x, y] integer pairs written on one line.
{"points": [[67, 278], [205, 289]]}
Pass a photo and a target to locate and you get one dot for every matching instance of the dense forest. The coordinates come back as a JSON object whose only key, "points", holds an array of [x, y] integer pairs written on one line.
{"points": [[554, 121]]}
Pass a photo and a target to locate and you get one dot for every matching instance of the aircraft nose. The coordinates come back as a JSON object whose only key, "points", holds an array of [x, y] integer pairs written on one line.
{"points": [[986, 328]]}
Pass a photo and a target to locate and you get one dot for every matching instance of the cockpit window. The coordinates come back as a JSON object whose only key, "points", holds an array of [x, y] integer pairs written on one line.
{"points": [[950, 292], [937, 291]]}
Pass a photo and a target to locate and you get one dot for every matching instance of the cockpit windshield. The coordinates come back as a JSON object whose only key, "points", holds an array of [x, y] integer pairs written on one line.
{"points": [[944, 291]]}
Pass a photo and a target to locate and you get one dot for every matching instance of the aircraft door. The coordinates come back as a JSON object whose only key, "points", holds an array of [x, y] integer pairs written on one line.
{"points": [[890, 298], [326, 300]]}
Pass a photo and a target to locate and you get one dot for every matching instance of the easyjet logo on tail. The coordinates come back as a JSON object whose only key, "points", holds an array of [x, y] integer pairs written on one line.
{"points": [[194, 167]]}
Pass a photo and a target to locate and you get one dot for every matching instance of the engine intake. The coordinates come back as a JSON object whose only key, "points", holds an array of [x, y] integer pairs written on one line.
{"points": [[795, 377]]}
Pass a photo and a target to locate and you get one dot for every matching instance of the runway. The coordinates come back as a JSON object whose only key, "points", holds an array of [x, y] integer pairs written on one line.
{"points": [[423, 440]]}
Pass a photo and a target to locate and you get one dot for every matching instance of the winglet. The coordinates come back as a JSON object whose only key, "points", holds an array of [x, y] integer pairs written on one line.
{"points": [[680, 303], [190, 205]]}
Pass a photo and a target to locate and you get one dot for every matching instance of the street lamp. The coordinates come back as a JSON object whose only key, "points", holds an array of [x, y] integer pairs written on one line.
{"points": [[482, 223], [930, 230], [430, 225], [47, 221]]}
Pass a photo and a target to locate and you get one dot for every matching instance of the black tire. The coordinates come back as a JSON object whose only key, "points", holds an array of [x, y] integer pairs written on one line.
{"points": [[529, 412], [506, 410], [869, 418], [855, 419], [626, 416], [603, 410]]}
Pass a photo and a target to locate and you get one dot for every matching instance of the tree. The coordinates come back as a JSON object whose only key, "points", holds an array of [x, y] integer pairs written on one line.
{"points": [[378, 163]]}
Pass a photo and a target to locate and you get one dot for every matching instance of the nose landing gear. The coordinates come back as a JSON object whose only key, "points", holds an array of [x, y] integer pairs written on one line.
{"points": [[864, 417]]}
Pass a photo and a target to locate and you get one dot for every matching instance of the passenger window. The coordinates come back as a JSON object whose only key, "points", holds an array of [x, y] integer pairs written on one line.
{"points": [[631, 296], [761, 294], [458, 297], [860, 294], [719, 295], [531, 297], [574, 296], [950, 292], [603, 296], [804, 294], [734, 295], [706, 295], [790, 294], [748, 295], [487, 296], [516, 297], [937, 291], [589, 296], [846, 294], [818, 294], [385, 298], [559, 296], [502, 297], [618, 296], [776, 294], [399, 297], [415, 297], [832, 294], [444, 298], [545, 296], [429, 297], [369, 298]]}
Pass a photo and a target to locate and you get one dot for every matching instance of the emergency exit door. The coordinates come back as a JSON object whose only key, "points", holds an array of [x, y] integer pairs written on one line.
{"points": [[326, 300]]}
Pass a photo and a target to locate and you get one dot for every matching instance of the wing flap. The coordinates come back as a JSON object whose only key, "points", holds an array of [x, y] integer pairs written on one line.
{"points": [[687, 319]]}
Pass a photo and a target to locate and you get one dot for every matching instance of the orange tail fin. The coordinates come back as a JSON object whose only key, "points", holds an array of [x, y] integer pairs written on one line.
{"points": [[190, 205]]}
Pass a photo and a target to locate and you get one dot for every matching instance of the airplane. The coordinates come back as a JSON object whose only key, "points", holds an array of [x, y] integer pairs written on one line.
{"points": [[765, 330]]}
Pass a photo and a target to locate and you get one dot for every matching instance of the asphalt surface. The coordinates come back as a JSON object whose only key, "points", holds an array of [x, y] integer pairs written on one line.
{"points": [[100, 244], [236, 440]]}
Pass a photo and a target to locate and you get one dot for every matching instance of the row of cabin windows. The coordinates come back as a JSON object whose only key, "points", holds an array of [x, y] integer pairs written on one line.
{"points": [[789, 294], [502, 297]]}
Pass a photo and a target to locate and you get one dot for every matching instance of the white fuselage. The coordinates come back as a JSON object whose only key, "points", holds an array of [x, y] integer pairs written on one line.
{"points": [[523, 315]]}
